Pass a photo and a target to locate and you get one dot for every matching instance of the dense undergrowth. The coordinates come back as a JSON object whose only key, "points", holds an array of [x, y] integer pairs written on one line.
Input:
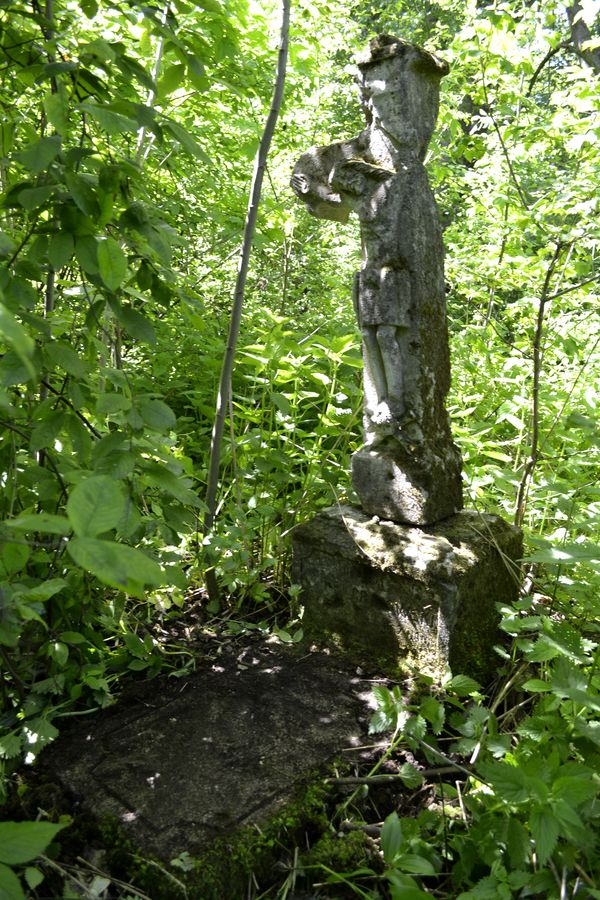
{"points": [[124, 165]]}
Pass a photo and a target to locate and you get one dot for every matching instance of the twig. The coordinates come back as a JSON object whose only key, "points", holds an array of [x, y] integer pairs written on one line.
{"points": [[68, 403], [526, 478], [371, 830], [562, 46], [390, 777]]}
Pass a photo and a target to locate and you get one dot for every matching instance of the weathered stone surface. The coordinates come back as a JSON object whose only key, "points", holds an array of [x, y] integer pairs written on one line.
{"points": [[391, 486], [392, 596], [182, 763], [399, 293]]}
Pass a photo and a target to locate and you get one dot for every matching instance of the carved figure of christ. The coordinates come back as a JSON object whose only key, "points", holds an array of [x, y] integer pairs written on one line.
{"points": [[398, 294]]}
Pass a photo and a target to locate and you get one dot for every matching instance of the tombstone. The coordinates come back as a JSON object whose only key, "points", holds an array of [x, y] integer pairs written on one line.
{"points": [[408, 473]]}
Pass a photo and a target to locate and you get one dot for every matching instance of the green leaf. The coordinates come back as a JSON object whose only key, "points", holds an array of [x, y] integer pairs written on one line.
{"points": [[391, 837], [112, 263], [434, 712], [41, 592], [157, 415], [187, 141], [13, 558], [115, 564], [44, 434], [68, 359], [61, 247], [517, 842], [109, 404], [83, 194], [31, 198], [21, 842], [33, 877], [37, 156], [57, 110], [59, 652], [17, 337], [136, 324], [45, 523], [410, 775], [10, 746], [463, 686], [10, 886], [509, 782], [95, 506], [111, 121], [545, 830]]}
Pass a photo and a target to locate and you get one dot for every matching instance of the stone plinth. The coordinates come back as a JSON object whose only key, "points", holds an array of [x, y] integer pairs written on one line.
{"points": [[395, 597]]}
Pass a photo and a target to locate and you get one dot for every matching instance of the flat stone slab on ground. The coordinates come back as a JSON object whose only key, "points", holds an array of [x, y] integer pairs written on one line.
{"points": [[181, 763]]}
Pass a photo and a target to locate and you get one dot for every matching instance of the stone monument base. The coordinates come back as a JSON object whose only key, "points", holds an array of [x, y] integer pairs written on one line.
{"points": [[396, 484], [395, 597]]}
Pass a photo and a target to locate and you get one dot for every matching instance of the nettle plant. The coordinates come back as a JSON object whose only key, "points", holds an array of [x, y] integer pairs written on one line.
{"points": [[96, 494]]}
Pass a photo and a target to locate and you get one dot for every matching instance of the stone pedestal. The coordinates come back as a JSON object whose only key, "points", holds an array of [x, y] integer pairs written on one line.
{"points": [[397, 484], [395, 597]]}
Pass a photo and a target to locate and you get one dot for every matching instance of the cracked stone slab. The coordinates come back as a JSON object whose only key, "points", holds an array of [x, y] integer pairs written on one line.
{"points": [[180, 763]]}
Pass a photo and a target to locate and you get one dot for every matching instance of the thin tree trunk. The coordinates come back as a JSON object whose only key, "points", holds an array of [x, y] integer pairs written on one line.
{"points": [[238, 297], [527, 477]]}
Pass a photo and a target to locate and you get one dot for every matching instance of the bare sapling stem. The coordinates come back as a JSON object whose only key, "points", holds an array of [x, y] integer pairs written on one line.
{"points": [[224, 392]]}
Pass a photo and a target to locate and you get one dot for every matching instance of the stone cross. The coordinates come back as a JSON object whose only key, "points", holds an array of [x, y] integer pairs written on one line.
{"points": [[409, 469]]}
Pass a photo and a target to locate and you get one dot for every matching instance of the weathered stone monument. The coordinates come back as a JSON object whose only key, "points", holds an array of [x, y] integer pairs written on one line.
{"points": [[409, 578]]}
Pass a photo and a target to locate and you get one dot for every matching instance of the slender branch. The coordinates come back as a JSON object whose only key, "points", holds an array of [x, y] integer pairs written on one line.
{"points": [[526, 478], [68, 403], [391, 777], [562, 46], [238, 298], [574, 287], [511, 170]]}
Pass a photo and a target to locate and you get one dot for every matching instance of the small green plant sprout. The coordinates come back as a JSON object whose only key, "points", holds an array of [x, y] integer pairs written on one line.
{"points": [[22, 843]]}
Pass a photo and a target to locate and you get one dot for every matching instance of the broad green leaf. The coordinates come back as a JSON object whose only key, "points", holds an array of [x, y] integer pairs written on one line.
{"points": [[20, 842], [45, 523], [136, 324], [44, 434], [37, 156], [109, 404], [10, 746], [518, 843], [115, 564], [410, 775], [391, 837], [10, 886], [95, 506], [189, 144], [86, 252], [111, 121], [33, 877], [61, 247], [463, 686], [15, 335], [157, 415], [171, 79], [68, 359], [434, 712], [112, 263], [39, 593], [83, 194], [13, 558], [59, 652], [57, 110], [545, 830], [31, 198], [509, 782]]}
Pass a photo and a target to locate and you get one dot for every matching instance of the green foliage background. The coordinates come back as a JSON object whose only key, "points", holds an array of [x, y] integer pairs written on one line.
{"points": [[127, 135]]}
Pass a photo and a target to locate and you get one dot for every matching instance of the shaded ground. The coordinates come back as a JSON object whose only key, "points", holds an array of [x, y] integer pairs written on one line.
{"points": [[180, 763]]}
